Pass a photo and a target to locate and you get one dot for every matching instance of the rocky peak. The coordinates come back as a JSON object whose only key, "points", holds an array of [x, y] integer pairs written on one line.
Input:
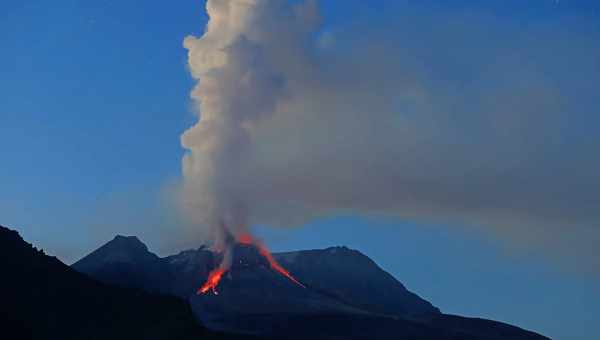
{"points": [[121, 249], [128, 242]]}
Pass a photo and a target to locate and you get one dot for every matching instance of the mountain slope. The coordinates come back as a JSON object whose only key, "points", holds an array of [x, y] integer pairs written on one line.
{"points": [[42, 298], [351, 277]]}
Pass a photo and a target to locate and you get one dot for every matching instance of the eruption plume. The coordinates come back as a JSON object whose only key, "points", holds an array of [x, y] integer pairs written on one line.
{"points": [[297, 122]]}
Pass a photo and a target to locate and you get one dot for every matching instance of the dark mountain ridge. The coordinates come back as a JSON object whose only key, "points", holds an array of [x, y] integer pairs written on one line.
{"points": [[42, 298], [347, 296]]}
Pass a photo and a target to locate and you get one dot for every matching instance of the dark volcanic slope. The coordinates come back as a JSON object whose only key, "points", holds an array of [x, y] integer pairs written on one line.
{"points": [[252, 287], [42, 298], [347, 296], [353, 278]]}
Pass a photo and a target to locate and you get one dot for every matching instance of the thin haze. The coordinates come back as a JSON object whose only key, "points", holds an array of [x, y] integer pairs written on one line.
{"points": [[474, 120]]}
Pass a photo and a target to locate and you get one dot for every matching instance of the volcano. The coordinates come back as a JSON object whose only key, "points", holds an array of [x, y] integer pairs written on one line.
{"points": [[342, 293]]}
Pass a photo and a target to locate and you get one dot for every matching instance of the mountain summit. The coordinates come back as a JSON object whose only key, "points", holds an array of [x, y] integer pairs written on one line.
{"points": [[126, 261], [122, 249]]}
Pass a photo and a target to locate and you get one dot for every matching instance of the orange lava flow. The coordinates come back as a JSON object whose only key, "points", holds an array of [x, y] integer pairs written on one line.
{"points": [[214, 277], [213, 280], [275, 265], [247, 239]]}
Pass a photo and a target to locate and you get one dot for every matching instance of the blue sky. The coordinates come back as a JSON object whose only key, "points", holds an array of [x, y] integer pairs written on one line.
{"points": [[95, 96]]}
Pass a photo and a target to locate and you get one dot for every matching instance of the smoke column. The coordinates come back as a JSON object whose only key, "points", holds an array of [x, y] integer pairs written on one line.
{"points": [[296, 122], [241, 61]]}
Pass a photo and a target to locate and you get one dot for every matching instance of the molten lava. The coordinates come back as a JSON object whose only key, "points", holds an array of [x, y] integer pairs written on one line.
{"points": [[215, 276], [275, 265], [262, 250], [213, 281], [245, 239]]}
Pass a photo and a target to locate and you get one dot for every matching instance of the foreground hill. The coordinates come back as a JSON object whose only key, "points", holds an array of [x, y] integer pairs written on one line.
{"points": [[347, 296], [42, 298]]}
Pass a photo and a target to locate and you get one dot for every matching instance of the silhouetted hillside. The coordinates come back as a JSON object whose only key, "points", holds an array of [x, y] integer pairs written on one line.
{"points": [[42, 298]]}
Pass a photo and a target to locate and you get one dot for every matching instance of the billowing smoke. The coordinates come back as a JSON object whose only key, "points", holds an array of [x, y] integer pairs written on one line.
{"points": [[248, 59], [466, 121]]}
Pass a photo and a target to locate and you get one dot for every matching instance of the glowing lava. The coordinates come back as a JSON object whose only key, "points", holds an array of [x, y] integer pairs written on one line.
{"points": [[213, 281], [275, 265], [245, 239], [262, 250], [215, 276]]}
